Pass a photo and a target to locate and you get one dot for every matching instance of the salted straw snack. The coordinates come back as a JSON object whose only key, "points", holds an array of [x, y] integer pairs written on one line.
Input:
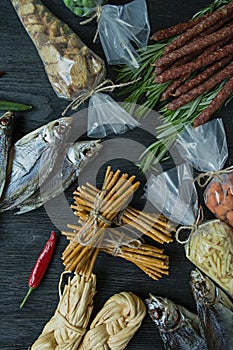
{"points": [[97, 211], [70, 65]]}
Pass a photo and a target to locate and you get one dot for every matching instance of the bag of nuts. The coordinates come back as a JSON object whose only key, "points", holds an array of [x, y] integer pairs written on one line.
{"points": [[205, 147], [70, 65]]}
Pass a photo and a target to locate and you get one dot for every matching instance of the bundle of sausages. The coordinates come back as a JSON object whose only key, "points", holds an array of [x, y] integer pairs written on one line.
{"points": [[197, 60]]}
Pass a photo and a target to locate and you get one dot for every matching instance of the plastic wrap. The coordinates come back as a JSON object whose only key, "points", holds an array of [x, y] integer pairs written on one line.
{"points": [[209, 245], [174, 194], [210, 248], [105, 116], [205, 147], [70, 65], [123, 29]]}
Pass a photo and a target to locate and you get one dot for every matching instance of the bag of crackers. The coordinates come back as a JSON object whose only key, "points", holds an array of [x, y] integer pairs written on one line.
{"points": [[205, 148], [70, 65], [209, 244], [122, 29]]}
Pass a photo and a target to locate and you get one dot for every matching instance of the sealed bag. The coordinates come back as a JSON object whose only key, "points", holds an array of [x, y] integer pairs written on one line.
{"points": [[70, 65], [73, 69], [205, 147], [122, 29], [209, 245]]}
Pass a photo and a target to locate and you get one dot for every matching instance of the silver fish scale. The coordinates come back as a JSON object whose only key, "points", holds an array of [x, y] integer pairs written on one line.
{"points": [[32, 160], [215, 311], [183, 338], [58, 180]]}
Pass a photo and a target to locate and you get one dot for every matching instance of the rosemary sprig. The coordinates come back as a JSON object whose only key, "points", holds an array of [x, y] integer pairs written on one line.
{"points": [[173, 123], [147, 93]]}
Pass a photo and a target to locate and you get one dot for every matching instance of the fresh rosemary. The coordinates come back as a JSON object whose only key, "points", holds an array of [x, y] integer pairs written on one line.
{"points": [[147, 93]]}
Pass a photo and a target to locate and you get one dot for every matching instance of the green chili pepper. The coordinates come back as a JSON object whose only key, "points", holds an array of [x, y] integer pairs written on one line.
{"points": [[13, 106]]}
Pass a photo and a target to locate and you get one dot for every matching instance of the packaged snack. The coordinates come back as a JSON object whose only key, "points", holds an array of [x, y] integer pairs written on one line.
{"points": [[122, 29], [70, 65], [205, 147], [209, 245]]}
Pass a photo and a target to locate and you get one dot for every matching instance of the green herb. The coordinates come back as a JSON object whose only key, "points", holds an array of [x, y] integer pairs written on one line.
{"points": [[147, 93], [13, 106]]}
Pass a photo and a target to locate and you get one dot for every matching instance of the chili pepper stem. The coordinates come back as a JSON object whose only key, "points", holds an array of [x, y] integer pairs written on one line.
{"points": [[26, 297]]}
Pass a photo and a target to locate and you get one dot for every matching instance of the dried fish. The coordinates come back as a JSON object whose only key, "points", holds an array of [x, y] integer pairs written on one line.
{"points": [[31, 160], [178, 327], [6, 123], [215, 311], [75, 159]]}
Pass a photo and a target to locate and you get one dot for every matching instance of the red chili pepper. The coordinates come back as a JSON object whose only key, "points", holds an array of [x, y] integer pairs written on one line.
{"points": [[40, 266]]}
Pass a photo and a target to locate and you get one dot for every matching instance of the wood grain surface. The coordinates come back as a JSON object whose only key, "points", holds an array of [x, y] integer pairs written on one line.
{"points": [[22, 237]]}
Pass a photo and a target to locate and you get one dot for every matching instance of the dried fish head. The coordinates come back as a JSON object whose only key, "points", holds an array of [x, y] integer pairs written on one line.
{"points": [[32, 159], [202, 287], [215, 311], [163, 312], [178, 327], [82, 151], [6, 123], [57, 130]]}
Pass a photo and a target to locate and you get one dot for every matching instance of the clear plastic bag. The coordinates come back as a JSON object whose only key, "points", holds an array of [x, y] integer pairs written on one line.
{"points": [[174, 194], [209, 245], [205, 147], [210, 248], [70, 65], [84, 8], [105, 116], [123, 29]]}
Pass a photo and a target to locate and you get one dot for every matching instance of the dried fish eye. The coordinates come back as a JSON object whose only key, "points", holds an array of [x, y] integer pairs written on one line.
{"points": [[61, 129], [87, 152], [5, 121]]}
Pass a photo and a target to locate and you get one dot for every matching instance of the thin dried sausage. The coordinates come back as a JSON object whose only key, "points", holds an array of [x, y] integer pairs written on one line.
{"points": [[197, 91], [201, 61], [198, 44], [215, 104], [224, 12]]}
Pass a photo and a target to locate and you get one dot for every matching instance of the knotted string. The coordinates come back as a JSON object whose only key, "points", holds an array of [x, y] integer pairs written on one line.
{"points": [[95, 216], [106, 85], [96, 15], [210, 175], [192, 228]]}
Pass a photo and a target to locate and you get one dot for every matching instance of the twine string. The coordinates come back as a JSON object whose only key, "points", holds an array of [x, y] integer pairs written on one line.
{"points": [[106, 85], [192, 228], [202, 182], [95, 216], [96, 15]]}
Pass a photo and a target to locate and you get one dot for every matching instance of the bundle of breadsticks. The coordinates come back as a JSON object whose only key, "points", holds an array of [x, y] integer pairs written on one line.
{"points": [[103, 216]]}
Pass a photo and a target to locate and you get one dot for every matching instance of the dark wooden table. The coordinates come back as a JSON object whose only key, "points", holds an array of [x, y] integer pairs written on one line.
{"points": [[22, 237]]}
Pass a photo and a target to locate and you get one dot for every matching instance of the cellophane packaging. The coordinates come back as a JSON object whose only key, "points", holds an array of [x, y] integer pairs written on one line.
{"points": [[70, 65], [210, 244], [106, 116], [122, 30], [205, 147]]}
